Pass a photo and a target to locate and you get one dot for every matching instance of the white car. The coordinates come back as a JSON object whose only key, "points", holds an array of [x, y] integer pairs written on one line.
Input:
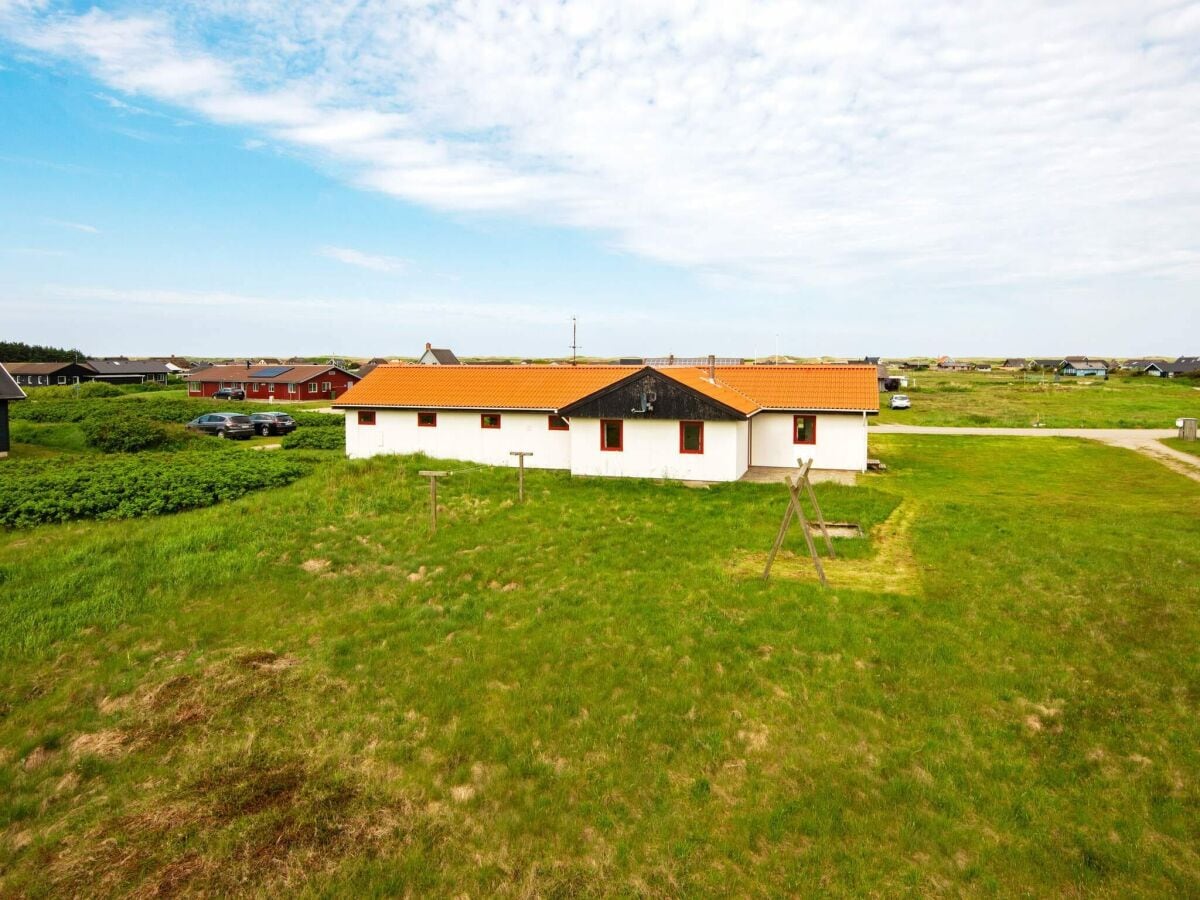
{"points": [[901, 401]]}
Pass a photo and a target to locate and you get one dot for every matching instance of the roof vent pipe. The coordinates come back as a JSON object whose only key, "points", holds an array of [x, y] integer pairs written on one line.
{"points": [[712, 367]]}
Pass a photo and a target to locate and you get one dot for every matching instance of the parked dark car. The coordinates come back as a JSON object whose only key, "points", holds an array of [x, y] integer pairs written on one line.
{"points": [[273, 423], [235, 426], [229, 394]]}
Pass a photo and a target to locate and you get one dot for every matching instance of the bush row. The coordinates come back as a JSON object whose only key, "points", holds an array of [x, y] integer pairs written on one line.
{"points": [[171, 410], [315, 439], [37, 492]]}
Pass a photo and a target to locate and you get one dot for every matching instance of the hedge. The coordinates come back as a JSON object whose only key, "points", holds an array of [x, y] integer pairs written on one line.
{"points": [[59, 490], [168, 410], [315, 439], [124, 434]]}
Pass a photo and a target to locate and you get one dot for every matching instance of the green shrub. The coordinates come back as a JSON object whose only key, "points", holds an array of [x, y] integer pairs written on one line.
{"points": [[123, 433], [315, 439], [58, 490], [319, 420]]}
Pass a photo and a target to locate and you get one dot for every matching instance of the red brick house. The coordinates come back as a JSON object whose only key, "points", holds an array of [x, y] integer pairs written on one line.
{"points": [[281, 382]]}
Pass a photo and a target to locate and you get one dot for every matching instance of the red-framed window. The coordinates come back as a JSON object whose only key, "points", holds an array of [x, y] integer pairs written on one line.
{"points": [[427, 420], [691, 437], [804, 429], [558, 423], [366, 417], [489, 420], [612, 434]]}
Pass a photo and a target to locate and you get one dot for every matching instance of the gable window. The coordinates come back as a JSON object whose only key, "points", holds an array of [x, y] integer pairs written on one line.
{"points": [[691, 437], [366, 417], [489, 420], [427, 419], [612, 434], [804, 429], [558, 423]]}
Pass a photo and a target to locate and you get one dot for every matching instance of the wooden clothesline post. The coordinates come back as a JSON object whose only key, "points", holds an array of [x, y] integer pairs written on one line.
{"points": [[795, 509], [433, 477], [520, 454]]}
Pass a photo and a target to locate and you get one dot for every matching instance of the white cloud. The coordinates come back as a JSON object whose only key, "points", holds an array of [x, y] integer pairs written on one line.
{"points": [[790, 145], [74, 226], [363, 260]]}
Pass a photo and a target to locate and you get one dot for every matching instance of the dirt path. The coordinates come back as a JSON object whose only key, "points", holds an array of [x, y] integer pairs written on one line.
{"points": [[1147, 441]]}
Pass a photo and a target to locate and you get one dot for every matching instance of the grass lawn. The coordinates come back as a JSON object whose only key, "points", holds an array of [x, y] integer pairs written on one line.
{"points": [[1192, 447], [1004, 399], [304, 691]]}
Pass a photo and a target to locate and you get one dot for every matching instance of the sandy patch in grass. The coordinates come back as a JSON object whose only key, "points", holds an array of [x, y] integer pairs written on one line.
{"points": [[314, 566], [890, 569], [36, 758]]}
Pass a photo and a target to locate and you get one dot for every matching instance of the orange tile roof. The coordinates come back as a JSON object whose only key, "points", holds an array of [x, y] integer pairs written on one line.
{"points": [[745, 389], [807, 387], [480, 387]]}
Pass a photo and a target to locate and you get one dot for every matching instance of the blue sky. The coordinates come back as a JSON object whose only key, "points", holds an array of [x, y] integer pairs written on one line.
{"points": [[235, 178]]}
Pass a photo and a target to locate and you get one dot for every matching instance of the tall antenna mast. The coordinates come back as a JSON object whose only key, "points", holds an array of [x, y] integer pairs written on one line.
{"points": [[574, 341]]}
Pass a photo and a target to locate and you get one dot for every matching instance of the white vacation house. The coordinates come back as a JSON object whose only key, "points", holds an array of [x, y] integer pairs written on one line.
{"points": [[689, 423]]}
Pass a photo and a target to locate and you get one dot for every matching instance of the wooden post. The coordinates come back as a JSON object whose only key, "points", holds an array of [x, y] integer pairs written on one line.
{"points": [[520, 455], [433, 477], [796, 510], [812, 495]]}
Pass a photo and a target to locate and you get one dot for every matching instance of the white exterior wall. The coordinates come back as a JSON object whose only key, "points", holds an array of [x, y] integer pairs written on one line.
{"points": [[651, 450], [458, 436], [841, 441]]}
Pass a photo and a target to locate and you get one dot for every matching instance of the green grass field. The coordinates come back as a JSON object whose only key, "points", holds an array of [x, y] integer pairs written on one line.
{"points": [[1192, 447], [1007, 400], [303, 691]]}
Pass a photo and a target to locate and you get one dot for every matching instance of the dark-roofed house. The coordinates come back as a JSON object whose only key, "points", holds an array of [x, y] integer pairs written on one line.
{"points": [[309, 382], [1140, 365], [435, 356], [120, 370], [45, 374], [1015, 362], [1184, 365], [1045, 363], [1083, 367], [9, 391]]}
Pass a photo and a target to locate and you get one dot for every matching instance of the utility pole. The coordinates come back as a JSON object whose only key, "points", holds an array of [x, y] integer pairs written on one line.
{"points": [[574, 341], [520, 455]]}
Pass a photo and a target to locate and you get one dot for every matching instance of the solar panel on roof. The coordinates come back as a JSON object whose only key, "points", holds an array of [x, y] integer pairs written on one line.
{"points": [[271, 372]]}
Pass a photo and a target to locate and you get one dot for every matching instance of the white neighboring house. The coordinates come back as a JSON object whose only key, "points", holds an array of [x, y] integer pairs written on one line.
{"points": [[438, 356], [685, 422]]}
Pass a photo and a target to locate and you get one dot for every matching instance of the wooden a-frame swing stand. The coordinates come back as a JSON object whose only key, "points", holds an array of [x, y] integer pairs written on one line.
{"points": [[795, 510]]}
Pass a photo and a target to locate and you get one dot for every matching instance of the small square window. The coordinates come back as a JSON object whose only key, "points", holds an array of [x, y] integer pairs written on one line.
{"points": [[291, 387], [489, 420], [558, 423], [427, 419], [612, 434], [804, 430], [312, 387], [62, 379], [691, 437], [366, 417], [325, 385]]}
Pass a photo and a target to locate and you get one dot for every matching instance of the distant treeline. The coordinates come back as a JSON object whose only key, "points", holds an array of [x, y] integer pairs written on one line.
{"points": [[17, 351]]}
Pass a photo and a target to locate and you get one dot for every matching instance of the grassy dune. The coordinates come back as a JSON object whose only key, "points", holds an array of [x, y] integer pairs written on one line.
{"points": [[593, 694], [1007, 400]]}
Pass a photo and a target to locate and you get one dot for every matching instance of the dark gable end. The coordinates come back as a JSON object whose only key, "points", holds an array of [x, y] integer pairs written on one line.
{"points": [[670, 400]]}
